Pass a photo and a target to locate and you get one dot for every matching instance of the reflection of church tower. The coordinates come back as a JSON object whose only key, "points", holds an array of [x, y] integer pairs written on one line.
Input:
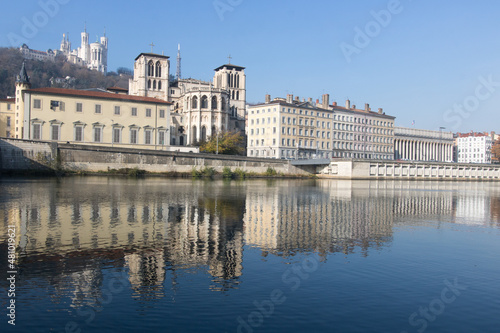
{"points": [[22, 83], [146, 269], [233, 78]]}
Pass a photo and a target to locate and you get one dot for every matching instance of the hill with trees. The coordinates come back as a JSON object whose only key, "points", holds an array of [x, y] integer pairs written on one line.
{"points": [[41, 72]]}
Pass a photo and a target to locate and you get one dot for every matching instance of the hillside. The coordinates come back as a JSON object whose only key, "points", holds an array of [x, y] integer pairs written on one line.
{"points": [[40, 73]]}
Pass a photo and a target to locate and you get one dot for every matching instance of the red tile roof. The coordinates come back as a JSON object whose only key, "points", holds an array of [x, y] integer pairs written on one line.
{"points": [[96, 94], [8, 100]]}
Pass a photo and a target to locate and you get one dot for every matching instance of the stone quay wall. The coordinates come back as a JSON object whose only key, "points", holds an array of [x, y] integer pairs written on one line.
{"points": [[19, 155]]}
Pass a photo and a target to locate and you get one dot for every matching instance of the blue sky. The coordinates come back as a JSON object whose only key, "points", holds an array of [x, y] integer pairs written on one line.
{"points": [[437, 63]]}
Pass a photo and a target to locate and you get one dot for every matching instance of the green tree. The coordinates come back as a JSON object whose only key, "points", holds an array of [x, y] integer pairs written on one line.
{"points": [[227, 143]]}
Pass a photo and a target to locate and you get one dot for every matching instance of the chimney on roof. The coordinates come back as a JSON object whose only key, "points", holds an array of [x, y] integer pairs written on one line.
{"points": [[326, 101], [367, 107], [347, 104], [334, 103], [317, 101], [354, 106], [380, 111], [268, 98], [310, 100], [303, 100], [289, 98], [297, 99]]}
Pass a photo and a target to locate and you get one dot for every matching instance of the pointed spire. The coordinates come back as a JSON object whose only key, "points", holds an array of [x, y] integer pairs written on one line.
{"points": [[104, 31], [85, 27], [23, 76]]}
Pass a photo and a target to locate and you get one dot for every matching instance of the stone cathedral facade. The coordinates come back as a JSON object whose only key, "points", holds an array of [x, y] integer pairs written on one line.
{"points": [[200, 109]]}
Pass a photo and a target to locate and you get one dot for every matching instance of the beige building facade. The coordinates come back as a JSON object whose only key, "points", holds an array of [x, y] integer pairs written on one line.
{"points": [[7, 117], [90, 117], [53, 114], [293, 129]]}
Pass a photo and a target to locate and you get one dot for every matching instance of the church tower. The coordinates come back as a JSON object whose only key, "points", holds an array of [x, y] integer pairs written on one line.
{"points": [[85, 48], [22, 83], [151, 72], [232, 78], [65, 45]]}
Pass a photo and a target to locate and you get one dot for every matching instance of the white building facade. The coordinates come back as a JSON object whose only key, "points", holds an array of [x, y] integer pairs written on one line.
{"points": [[474, 148], [412, 144], [294, 129]]}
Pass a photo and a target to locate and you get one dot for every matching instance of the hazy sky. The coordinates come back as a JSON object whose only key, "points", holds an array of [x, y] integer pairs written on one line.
{"points": [[432, 62]]}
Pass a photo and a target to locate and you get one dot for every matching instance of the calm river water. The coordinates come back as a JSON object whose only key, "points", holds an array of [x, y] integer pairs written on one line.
{"points": [[98, 254]]}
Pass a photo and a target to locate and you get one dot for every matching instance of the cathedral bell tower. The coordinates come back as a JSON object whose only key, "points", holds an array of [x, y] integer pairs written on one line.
{"points": [[232, 78], [151, 72]]}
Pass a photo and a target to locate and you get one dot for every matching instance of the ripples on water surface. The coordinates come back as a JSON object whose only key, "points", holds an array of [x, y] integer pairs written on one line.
{"points": [[125, 255]]}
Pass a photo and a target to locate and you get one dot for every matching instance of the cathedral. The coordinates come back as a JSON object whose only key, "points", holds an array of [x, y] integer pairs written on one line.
{"points": [[200, 109], [92, 55]]}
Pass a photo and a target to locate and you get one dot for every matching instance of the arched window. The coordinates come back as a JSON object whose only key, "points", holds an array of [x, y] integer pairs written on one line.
{"points": [[154, 84], [158, 69], [233, 95], [149, 84], [193, 140], [150, 68], [223, 104], [237, 81], [194, 103], [203, 133], [159, 85], [204, 102], [237, 95], [176, 106], [214, 103]]}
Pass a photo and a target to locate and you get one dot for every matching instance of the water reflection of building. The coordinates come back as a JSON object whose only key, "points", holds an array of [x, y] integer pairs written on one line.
{"points": [[291, 218], [156, 231]]}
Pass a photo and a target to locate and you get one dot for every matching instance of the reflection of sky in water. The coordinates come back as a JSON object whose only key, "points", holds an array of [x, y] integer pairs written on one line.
{"points": [[158, 241]]}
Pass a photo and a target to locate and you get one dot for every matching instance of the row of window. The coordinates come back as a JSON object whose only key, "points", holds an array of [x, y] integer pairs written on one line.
{"points": [[154, 69], [360, 120], [98, 108], [98, 132], [204, 102], [154, 86]]}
